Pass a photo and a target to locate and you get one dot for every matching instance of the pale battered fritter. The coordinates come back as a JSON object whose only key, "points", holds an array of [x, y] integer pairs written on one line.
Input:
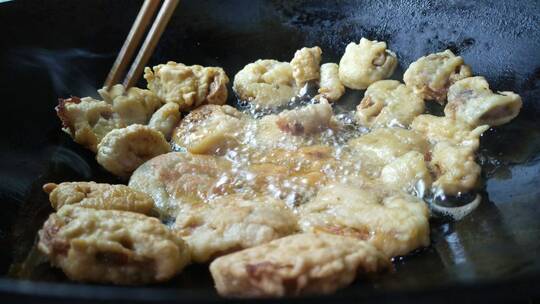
{"points": [[330, 87], [306, 120], [471, 101], [123, 150], [265, 134], [296, 265], [131, 106], [265, 83], [215, 130], [364, 63], [431, 76], [98, 196], [231, 223], [88, 120], [452, 157], [388, 103], [188, 86], [176, 179], [455, 168], [381, 146], [210, 129], [439, 128], [305, 65], [408, 173], [395, 223], [165, 119], [109, 246]]}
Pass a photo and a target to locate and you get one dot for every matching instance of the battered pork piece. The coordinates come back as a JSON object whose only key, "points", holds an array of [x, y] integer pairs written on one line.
{"points": [[455, 168], [165, 119], [388, 103], [408, 173], [330, 87], [309, 119], [395, 223], [132, 106], [305, 65], [364, 63], [431, 76], [296, 265], [380, 147], [98, 196], [266, 134], [472, 101], [439, 128], [231, 223], [188, 86], [88, 120], [123, 150], [175, 180], [109, 246], [210, 129], [454, 143], [266, 83]]}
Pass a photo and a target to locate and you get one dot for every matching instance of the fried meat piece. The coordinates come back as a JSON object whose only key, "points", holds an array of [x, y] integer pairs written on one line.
{"points": [[98, 196], [110, 246], [299, 264]]}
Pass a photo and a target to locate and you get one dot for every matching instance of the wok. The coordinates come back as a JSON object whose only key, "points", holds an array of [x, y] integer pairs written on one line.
{"points": [[54, 48]]}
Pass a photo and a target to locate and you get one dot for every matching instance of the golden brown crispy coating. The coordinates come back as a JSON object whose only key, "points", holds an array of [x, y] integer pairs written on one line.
{"points": [[296, 265], [98, 196], [110, 246]]}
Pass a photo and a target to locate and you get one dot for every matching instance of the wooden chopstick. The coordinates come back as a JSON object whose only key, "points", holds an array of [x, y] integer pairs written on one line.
{"points": [[150, 42], [133, 40]]}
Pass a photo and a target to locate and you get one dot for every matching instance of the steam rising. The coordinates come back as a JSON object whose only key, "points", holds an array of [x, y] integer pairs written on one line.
{"points": [[67, 69]]}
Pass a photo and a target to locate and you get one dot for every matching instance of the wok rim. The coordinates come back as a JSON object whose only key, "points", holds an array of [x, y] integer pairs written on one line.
{"points": [[512, 288]]}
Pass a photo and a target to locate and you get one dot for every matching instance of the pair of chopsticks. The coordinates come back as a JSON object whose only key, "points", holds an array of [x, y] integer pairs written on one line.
{"points": [[133, 40]]}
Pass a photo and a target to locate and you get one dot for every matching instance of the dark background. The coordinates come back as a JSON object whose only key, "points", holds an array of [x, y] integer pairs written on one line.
{"points": [[51, 49]]}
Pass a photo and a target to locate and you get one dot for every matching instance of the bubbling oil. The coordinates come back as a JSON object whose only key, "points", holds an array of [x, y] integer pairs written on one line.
{"points": [[268, 161]]}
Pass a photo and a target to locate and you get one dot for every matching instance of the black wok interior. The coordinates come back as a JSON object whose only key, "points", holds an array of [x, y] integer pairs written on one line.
{"points": [[53, 48]]}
